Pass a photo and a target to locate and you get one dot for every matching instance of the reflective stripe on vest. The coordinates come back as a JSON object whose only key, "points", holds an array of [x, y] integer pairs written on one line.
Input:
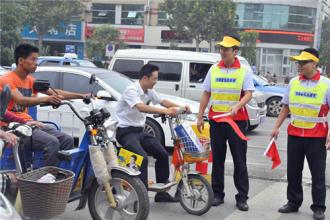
{"points": [[226, 88], [305, 103]]}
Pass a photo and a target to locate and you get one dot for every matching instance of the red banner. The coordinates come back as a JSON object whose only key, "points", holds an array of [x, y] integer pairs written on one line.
{"points": [[132, 34]]}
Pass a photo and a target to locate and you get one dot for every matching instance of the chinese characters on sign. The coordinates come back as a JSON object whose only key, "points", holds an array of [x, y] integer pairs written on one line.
{"points": [[70, 31]]}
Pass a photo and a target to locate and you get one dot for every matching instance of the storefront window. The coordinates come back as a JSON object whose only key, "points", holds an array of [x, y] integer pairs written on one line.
{"points": [[103, 13], [132, 14], [162, 18], [278, 17]]}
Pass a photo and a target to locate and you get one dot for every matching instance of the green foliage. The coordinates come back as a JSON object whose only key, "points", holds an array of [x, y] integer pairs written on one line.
{"points": [[200, 19], [102, 35], [249, 45], [11, 23]]}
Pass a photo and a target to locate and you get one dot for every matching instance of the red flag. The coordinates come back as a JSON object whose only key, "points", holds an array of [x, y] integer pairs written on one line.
{"points": [[272, 153], [227, 119]]}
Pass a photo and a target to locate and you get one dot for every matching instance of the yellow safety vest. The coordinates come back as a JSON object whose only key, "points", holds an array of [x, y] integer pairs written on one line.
{"points": [[305, 103], [226, 88]]}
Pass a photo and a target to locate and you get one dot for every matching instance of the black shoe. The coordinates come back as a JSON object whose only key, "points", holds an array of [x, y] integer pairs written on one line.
{"points": [[217, 201], [165, 197], [318, 215], [243, 206], [287, 208]]}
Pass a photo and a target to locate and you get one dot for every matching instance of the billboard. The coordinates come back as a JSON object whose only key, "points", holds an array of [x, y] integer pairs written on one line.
{"points": [[284, 37]]}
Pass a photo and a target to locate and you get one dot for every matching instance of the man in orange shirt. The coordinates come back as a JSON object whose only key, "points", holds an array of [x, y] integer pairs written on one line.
{"points": [[44, 138]]}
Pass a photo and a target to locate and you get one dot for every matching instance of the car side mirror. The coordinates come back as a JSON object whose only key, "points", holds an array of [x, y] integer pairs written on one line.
{"points": [[102, 94], [41, 85], [92, 80], [5, 97]]}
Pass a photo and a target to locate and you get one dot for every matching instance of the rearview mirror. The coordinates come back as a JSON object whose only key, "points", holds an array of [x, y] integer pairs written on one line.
{"points": [[5, 97], [102, 94], [92, 80], [41, 85]]}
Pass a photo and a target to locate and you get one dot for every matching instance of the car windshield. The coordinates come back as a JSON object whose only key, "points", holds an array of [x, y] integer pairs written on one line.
{"points": [[115, 80], [260, 81], [85, 63]]}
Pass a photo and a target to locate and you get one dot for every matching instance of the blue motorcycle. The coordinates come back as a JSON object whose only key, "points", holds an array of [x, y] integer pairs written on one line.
{"points": [[112, 191]]}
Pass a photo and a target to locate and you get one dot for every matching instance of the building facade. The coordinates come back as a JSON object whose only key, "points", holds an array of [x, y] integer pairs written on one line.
{"points": [[285, 27]]}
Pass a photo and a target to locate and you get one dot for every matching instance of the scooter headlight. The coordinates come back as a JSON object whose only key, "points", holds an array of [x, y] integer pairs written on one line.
{"points": [[110, 126]]}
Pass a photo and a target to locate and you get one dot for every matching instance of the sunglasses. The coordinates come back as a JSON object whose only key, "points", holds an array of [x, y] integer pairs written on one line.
{"points": [[304, 62]]}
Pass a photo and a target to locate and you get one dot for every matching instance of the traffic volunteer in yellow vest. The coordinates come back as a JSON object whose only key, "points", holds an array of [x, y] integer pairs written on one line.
{"points": [[307, 100], [228, 86]]}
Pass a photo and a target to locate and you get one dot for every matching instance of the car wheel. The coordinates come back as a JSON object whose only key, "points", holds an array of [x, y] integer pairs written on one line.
{"points": [[274, 106], [154, 129]]}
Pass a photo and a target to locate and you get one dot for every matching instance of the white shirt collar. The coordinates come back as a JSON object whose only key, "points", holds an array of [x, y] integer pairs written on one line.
{"points": [[140, 90]]}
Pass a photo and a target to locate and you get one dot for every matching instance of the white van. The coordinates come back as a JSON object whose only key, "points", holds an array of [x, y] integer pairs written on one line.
{"points": [[181, 74]]}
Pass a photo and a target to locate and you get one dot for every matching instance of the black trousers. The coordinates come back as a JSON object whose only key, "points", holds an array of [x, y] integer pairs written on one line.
{"points": [[316, 155], [135, 140], [220, 134]]}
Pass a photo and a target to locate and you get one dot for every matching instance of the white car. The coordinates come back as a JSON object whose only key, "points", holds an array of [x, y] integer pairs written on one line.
{"points": [[175, 74], [77, 80]]}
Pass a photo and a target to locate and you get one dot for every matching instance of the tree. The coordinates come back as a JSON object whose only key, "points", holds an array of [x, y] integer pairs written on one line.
{"points": [[249, 45], [102, 35], [45, 15], [11, 24], [200, 19], [325, 45]]}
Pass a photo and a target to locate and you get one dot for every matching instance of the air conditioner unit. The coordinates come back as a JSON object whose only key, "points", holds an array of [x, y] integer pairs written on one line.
{"points": [[147, 8]]}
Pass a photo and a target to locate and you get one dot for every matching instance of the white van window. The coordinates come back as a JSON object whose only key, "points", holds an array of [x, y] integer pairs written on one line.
{"points": [[168, 71], [198, 72], [129, 68]]}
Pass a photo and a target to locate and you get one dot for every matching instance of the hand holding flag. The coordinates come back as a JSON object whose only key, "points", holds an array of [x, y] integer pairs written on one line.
{"points": [[272, 153]]}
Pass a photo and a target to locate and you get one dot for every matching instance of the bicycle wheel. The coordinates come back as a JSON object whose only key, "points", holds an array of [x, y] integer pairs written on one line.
{"points": [[202, 195]]}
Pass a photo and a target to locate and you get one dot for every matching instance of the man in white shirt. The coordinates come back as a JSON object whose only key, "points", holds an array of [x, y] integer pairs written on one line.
{"points": [[131, 115]]}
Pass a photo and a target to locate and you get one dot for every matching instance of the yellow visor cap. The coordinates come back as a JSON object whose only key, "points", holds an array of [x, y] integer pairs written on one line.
{"points": [[229, 42], [303, 56]]}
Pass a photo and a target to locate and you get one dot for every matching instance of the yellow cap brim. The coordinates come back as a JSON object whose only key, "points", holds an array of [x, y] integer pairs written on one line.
{"points": [[229, 42], [226, 44], [304, 56]]}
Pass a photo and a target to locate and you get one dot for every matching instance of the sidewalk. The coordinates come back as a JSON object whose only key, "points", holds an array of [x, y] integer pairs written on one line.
{"points": [[265, 199]]}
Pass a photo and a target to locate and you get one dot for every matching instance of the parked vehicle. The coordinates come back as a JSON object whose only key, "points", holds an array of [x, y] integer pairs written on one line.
{"points": [[61, 61], [77, 80], [3, 70], [273, 94], [181, 74]]}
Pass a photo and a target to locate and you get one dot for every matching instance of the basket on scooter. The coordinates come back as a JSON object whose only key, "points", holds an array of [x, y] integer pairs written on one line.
{"points": [[195, 149], [45, 200], [194, 157]]}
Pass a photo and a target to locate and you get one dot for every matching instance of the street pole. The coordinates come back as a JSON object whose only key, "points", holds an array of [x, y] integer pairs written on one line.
{"points": [[318, 25]]}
